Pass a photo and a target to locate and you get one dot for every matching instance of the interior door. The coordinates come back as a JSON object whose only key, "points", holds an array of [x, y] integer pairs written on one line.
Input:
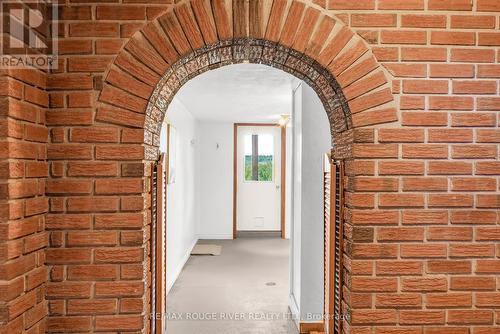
{"points": [[258, 178]]}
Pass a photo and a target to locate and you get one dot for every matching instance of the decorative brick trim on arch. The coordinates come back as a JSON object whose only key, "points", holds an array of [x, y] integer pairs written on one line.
{"points": [[239, 51], [196, 36]]}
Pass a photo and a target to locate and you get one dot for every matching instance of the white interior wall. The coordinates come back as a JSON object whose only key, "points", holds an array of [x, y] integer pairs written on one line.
{"points": [[181, 195], [312, 139], [295, 208], [288, 181], [215, 170], [316, 139], [216, 180]]}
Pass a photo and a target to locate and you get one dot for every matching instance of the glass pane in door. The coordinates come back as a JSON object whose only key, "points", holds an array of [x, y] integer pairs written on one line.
{"points": [[259, 158]]}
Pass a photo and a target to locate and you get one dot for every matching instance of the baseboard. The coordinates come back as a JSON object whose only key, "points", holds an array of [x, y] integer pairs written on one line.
{"points": [[178, 270], [214, 236], [308, 327], [259, 234]]}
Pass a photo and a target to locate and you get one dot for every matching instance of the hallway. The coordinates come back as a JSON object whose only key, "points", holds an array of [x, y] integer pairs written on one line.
{"points": [[249, 280]]}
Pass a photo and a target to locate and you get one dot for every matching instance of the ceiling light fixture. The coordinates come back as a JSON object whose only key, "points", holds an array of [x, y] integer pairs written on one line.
{"points": [[284, 120]]}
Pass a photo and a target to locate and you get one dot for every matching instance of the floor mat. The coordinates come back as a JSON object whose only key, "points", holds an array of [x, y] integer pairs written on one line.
{"points": [[207, 250]]}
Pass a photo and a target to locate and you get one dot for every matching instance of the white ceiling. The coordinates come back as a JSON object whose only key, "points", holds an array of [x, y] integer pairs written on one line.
{"points": [[239, 93]]}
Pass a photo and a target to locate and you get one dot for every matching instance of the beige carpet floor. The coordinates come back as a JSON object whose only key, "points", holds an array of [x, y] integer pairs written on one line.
{"points": [[248, 280]]}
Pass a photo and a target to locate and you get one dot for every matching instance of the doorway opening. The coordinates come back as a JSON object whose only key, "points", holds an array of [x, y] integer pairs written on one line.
{"points": [[241, 179]]}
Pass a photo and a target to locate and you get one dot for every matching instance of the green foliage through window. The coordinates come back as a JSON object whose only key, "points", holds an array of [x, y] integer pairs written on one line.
{"points": [[265, 168]]}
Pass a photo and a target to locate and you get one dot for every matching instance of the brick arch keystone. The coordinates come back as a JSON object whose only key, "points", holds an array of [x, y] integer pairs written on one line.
{"points": [[198, 35]]}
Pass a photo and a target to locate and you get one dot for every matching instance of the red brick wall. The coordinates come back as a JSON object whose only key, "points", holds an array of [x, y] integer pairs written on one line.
{"points": [[423, 192], [98, 255], [425, 217], [23, 174]]}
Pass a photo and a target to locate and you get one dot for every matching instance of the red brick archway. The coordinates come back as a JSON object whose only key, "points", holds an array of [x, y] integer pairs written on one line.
{"points": [[196, 36]]}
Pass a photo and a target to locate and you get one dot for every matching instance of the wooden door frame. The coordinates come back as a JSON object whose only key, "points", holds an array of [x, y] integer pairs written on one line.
{"points": [[283, 175]]}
